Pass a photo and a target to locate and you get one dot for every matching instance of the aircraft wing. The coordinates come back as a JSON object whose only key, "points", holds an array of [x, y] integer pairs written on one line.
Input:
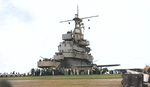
{"points": [[109, 65]]}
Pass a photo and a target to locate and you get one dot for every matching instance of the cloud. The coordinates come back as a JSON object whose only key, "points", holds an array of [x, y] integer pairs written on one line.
{"points": [[9, 12]]}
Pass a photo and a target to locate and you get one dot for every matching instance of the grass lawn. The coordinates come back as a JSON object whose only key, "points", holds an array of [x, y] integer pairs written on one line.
{"points": [[68, 77]]}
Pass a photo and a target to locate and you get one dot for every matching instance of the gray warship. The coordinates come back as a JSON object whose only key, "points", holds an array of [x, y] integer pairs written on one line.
{"points": [[73, 52]]}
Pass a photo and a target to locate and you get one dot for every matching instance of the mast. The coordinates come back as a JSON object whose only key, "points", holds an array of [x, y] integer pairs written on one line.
{"points": [[78, 21]]}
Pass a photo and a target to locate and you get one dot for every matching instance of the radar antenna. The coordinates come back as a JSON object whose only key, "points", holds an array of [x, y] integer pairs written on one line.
{"points": [[78, 21]]}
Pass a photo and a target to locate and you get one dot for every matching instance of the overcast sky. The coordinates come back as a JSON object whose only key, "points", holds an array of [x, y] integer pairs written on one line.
{"points": [[30, 29]]}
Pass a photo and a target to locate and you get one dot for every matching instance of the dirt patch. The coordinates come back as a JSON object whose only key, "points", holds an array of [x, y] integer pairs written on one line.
{"points": [[67, 83]]}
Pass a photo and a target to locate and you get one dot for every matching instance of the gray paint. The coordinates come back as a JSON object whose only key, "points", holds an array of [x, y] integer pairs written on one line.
{"points": [[73, 51]]}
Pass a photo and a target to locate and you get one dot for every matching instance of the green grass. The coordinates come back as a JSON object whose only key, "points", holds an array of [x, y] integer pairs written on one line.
{"points": [[68, 77]]}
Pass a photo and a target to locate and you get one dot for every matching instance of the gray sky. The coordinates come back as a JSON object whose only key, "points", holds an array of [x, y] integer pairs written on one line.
{"points": [[31, 28]]}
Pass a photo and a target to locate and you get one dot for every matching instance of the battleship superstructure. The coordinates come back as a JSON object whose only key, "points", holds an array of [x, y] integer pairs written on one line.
{"points": [[74, 53]]}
